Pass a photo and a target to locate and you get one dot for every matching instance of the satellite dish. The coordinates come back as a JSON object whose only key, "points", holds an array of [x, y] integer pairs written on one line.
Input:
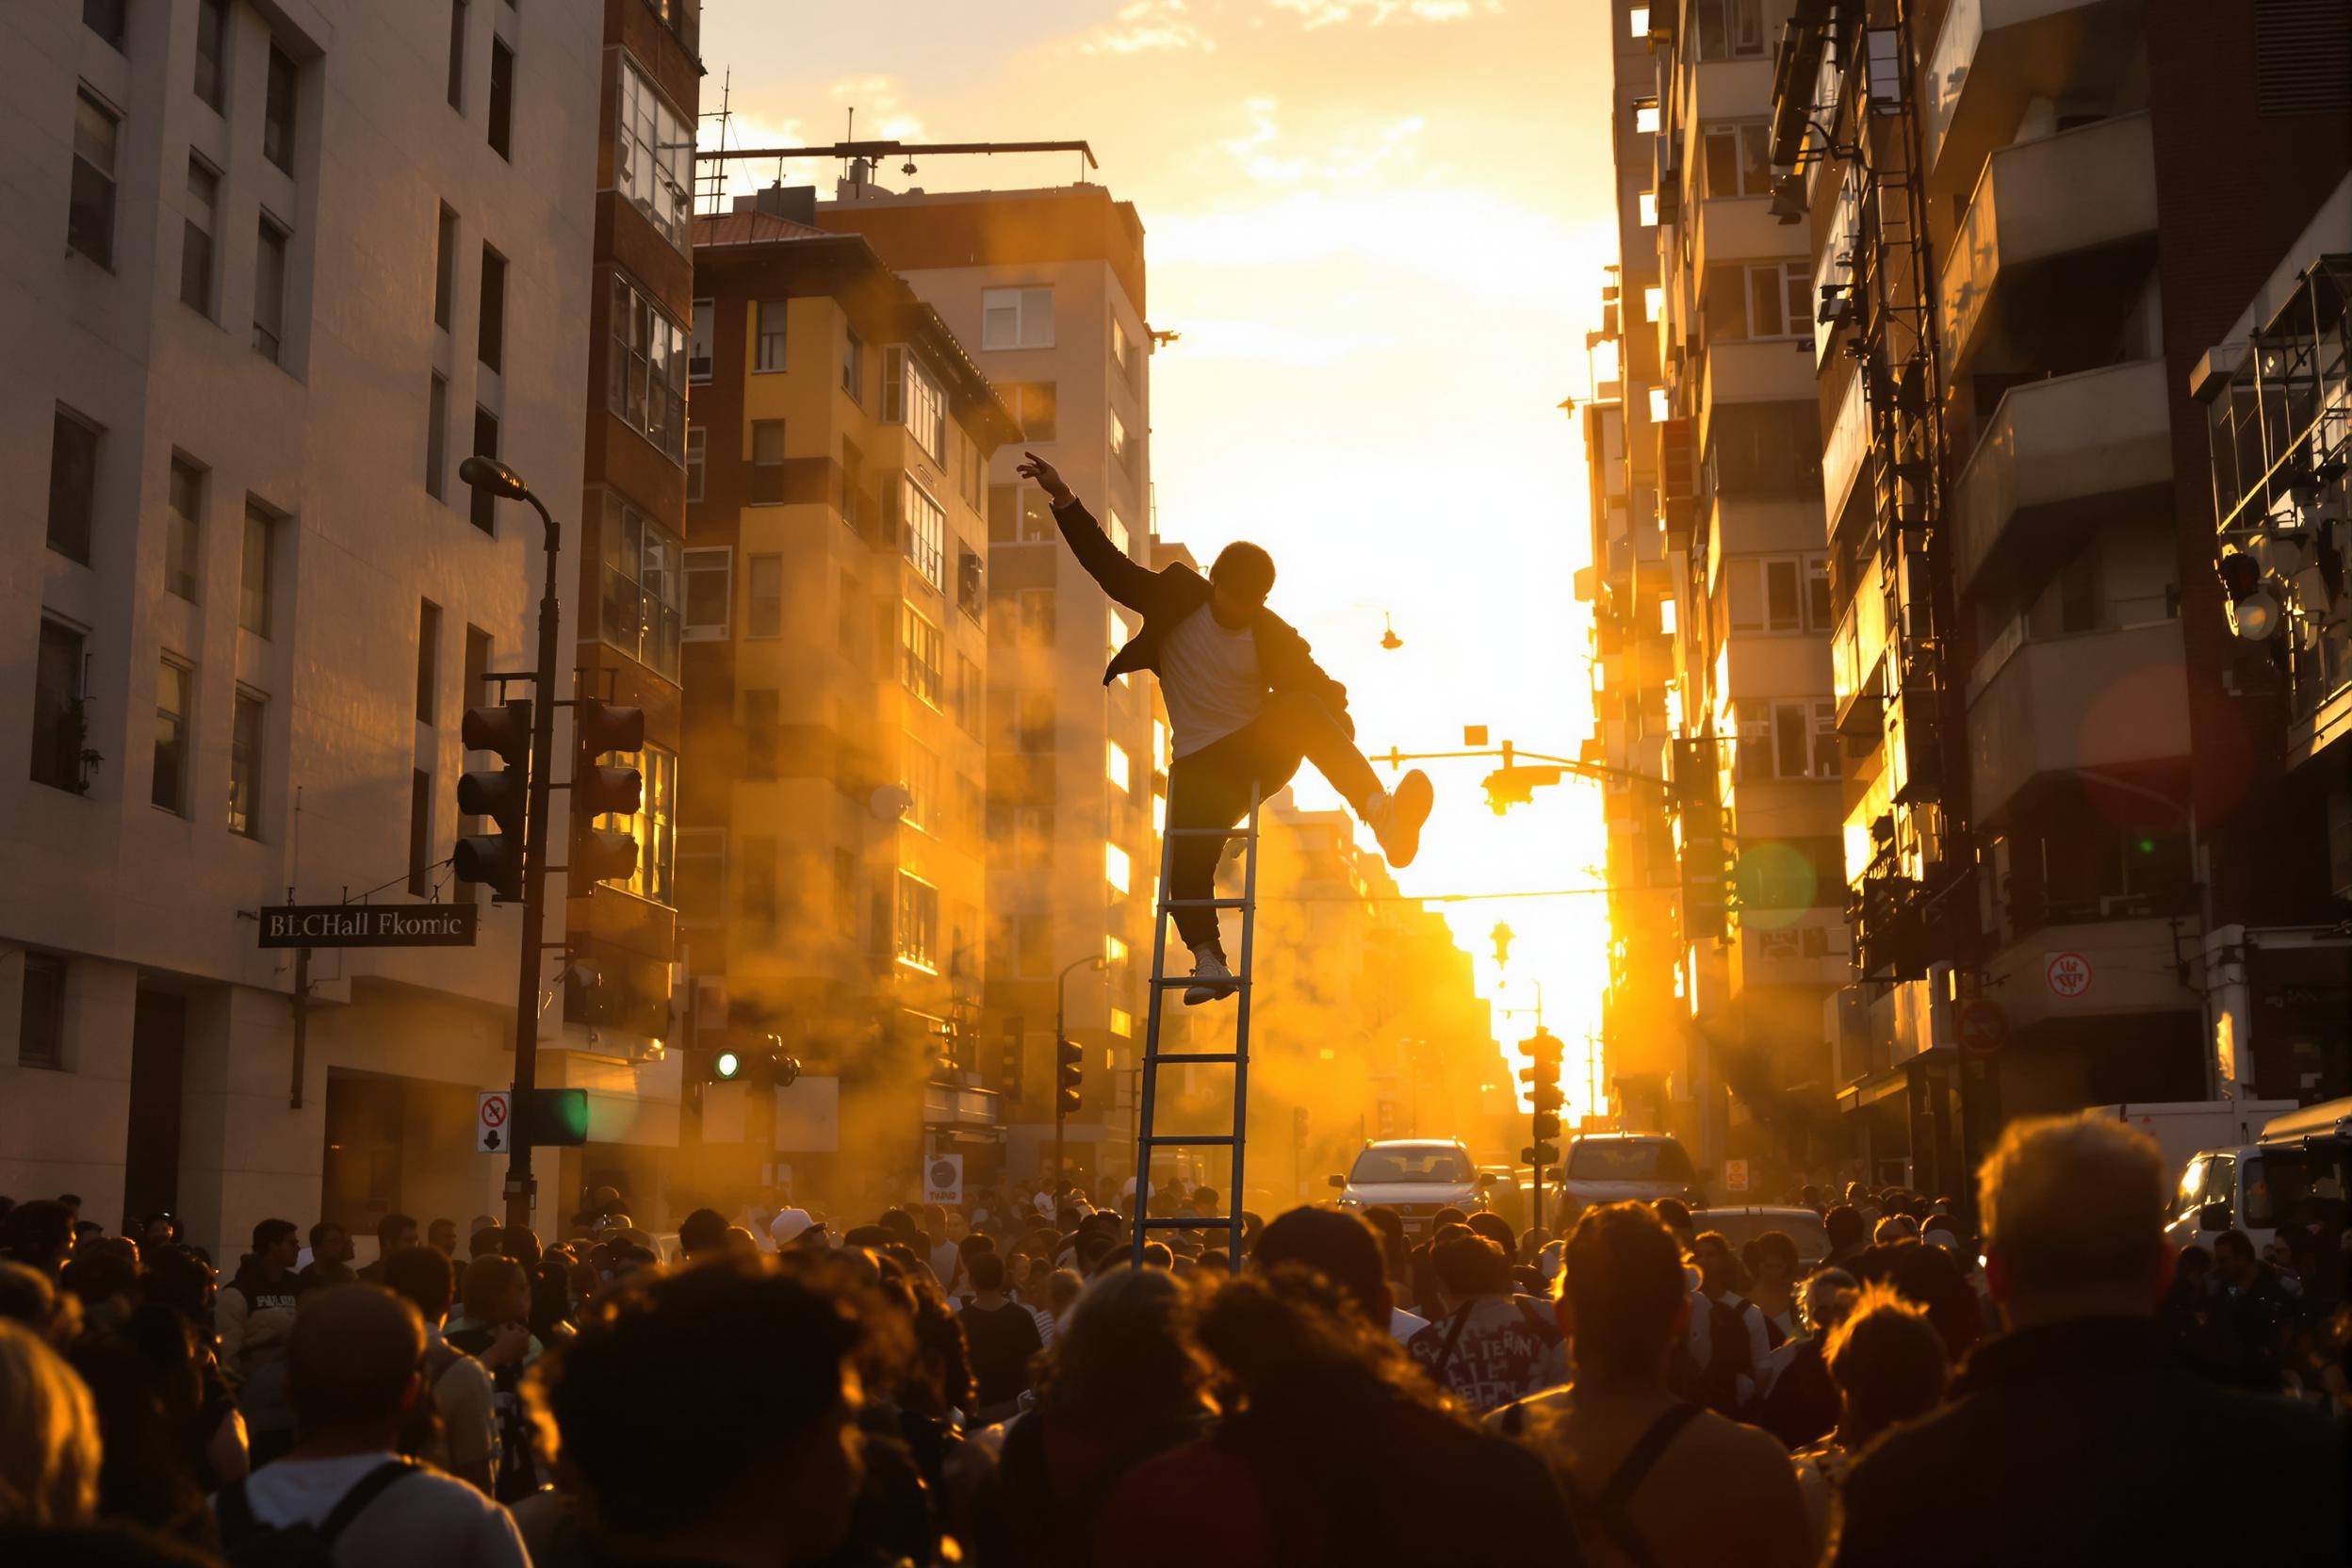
{"points": [[891, 802]]}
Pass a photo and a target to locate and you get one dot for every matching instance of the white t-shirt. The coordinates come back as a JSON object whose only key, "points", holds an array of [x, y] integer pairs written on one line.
{"points": [[424, 1517], [1403, 1325], [1209, 677]]}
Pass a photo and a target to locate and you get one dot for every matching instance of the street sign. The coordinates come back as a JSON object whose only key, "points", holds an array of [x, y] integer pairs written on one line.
{"points": [[1983, 1028], [944, 1179], [492, 1112], [369, 925], [2068, 973], [1735, 1175]]}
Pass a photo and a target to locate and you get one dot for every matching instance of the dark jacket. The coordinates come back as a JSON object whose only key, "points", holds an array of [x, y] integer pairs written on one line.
{"points": [[2088, 1441], [1167, 596]]}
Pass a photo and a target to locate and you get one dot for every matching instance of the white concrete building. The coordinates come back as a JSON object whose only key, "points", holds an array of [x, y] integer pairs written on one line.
{"points": [[271, 271]]}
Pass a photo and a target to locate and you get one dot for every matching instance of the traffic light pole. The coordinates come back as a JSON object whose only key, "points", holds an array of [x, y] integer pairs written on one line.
{"points": [[521, 1189], [1061, 1038]]}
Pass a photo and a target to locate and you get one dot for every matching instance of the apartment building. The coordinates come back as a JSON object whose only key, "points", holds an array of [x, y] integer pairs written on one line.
{"points": [[1047, 286], [837, 641], [2027, 222], [262, 259]]}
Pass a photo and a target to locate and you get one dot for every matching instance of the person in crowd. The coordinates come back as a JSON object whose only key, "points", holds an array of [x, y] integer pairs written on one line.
{"points": [[1739, 1336], [393, 1232], [788, 1227], [2249, 1314], [34, 1300], [1894, 1228], [104, 1282], [352, 1359], [146, 1383], [255, 1315], [1674, 1215], [1800, 1403], [483, 1243], [464, 1440], [1889, 1365], [1004, 1339], [1491, 1346], [1633, 1456], [2188, 1311], [2062, 1439], [38, 1234], [495, 1330], [441, 1236], [702, 1234], [50, 1458], [330, 1254], [1848, 1237], [1390, 1226], [160, 1229], [1931, 1276], [1321, 1401], [1770, 1259]]}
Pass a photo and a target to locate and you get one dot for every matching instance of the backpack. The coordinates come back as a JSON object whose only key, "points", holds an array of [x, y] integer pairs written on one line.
{"points": [[250, 1543]]}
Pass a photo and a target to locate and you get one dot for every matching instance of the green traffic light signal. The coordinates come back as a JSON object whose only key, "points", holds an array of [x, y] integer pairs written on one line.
{"points": [[727, 1067]]}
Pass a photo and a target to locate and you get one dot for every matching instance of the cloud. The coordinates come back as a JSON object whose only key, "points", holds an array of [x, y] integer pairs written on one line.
{"points": [[1331, 13], [878, 98], [1147, 26]]}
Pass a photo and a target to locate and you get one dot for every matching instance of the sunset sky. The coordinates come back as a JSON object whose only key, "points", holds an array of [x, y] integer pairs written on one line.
{"points": [[1380, 226]]}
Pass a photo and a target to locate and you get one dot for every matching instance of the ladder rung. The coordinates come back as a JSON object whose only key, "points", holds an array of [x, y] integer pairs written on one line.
{"points": [[1205, 903], [1165, 981], [1167, 1222], [1191, 1140], [1165, 1057]]}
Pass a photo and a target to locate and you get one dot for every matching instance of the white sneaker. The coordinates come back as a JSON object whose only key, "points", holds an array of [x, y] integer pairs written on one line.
{"points": [[1396, 817], [1211, 980]]}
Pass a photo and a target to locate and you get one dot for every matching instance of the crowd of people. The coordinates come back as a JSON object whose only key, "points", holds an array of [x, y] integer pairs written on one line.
{"points": [[996, 1382]]}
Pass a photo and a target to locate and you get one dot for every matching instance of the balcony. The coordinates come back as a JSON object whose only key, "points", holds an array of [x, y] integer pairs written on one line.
{"points": [[1716, 91], [1992, 57], [1742, 228], [2103, 701], [1857, 652], [2060, 445], [2035, 265]]}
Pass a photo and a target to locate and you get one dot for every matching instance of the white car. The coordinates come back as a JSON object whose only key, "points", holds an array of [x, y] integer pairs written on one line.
{"points": [[1417, 1177], [1620, 1168]]}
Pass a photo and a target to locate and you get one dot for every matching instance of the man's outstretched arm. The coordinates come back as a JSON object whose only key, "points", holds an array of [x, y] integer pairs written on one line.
{"points": [[1121, 577]]}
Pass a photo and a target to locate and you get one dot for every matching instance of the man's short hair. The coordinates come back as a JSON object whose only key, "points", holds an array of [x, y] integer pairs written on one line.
{"points": [[1341, 1247], [986, 1270], [1244, 568], [321, 1231], [350, 1355], [2236, 1243], [1470, 1265], [272, 1232], [391, 1228], [2074, 1202], [1673, 1212], [488, 1281], [422, 1276], [1842, 1222], [1623, 1281], [703, 1231], [483, 1243], [704, 1347], [1886, 1358]]}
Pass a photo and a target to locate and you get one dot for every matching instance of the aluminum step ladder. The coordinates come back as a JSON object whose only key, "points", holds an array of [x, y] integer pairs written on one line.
{"points": [[1147, 1139]]}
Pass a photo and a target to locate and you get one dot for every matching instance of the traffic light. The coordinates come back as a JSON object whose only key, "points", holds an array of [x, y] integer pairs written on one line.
{"points": [[503, 794], [1008, 1061], [1509, 786], [1068, 1075], [1541, 1076], [1541, 1153], [1709, 865], [764, 1062], [603, 854]]}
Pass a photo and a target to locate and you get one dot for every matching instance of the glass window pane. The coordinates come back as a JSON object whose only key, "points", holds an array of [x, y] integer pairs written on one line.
{"points": [[1780, 594]]}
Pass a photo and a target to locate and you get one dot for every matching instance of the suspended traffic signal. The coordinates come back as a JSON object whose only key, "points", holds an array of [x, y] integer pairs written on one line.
{"points": [[603, 854], [764, 1062], [1069, 1077], [726, 1066], [1507, 787], [503, 794]]}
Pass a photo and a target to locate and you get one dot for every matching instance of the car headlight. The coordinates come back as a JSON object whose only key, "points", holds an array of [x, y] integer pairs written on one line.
{"points": [[1349, 1200]]}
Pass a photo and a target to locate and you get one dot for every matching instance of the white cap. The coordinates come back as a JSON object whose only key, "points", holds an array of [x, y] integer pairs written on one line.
{"points": [[787, 1224]]}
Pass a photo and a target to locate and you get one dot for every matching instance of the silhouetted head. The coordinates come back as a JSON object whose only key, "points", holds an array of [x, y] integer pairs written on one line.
{"points": [[1242, 576]]}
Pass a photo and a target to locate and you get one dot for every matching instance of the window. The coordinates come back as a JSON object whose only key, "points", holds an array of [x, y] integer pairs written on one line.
{"points": [[926, 536], [652, 157], [1115, 530], [492, 348], [253, 570], [196, 230], [1126, 354], [764, 589], [699, 339], [501, 98], [653, 824], [1017, 319], [1727, 29], [922, 648], [277, 113], [482, 504], [767, 348], [1646, 208], [1828, 755], [212, 31], [1114, 867], [853, 481], [850, 624], [1779, 592], [647, 387], [269, 293], [1645, 117], [41, 1014], [428, 657], [476, 675], [643, 587], [767, 461], [1817, 616], [853, 365], [1018, 515], [72, 483], [911, 398], [438, 438], [918, 923], [1033, 722], [1739, 160], [919, 771], [1036, 617], [57, 721], [457, 55], [1125, 450], [420, 833], [755, 879], [183, 529], [1033, 406], [89, 211], [710, 590], [1115, 765], [968, 695], [1123, 1024], [1758, 449], [697, 453], [104, 18], [175, 687], [1787, 738], [702, 872], [245, 734], [1770, 299], [971, 581]]}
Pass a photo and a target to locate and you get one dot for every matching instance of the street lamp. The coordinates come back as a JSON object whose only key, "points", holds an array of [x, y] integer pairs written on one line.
{"points": [[494, 478], [1061, 1043]]}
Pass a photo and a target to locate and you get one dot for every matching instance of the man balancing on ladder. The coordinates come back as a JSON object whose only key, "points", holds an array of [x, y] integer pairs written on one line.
{"points": [[1245, 702]]}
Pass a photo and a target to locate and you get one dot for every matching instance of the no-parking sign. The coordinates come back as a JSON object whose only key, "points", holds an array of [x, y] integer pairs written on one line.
{"points": [[492, 1112]]}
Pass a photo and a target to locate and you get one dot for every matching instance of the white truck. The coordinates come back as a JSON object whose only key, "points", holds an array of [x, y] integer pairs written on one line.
{"points": [[2297, 1169], [2183, 1127]]}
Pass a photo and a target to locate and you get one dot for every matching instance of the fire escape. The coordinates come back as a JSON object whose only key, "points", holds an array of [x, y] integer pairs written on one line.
{"points": [[1844, 107]]}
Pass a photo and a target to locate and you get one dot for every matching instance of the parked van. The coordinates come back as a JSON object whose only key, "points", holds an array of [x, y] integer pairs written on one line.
{"points": [[2296, 1172]]}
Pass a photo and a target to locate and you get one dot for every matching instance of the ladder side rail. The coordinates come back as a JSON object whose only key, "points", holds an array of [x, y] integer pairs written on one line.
{"points": [[1147, 1081], [1241, 1026]]}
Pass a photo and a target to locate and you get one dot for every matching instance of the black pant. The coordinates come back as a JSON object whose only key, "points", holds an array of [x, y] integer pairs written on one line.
{"points": [[1210, 787]]}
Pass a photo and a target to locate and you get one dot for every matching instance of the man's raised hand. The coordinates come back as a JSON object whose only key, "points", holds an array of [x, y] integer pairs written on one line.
{"points": [[1047, 478]]}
